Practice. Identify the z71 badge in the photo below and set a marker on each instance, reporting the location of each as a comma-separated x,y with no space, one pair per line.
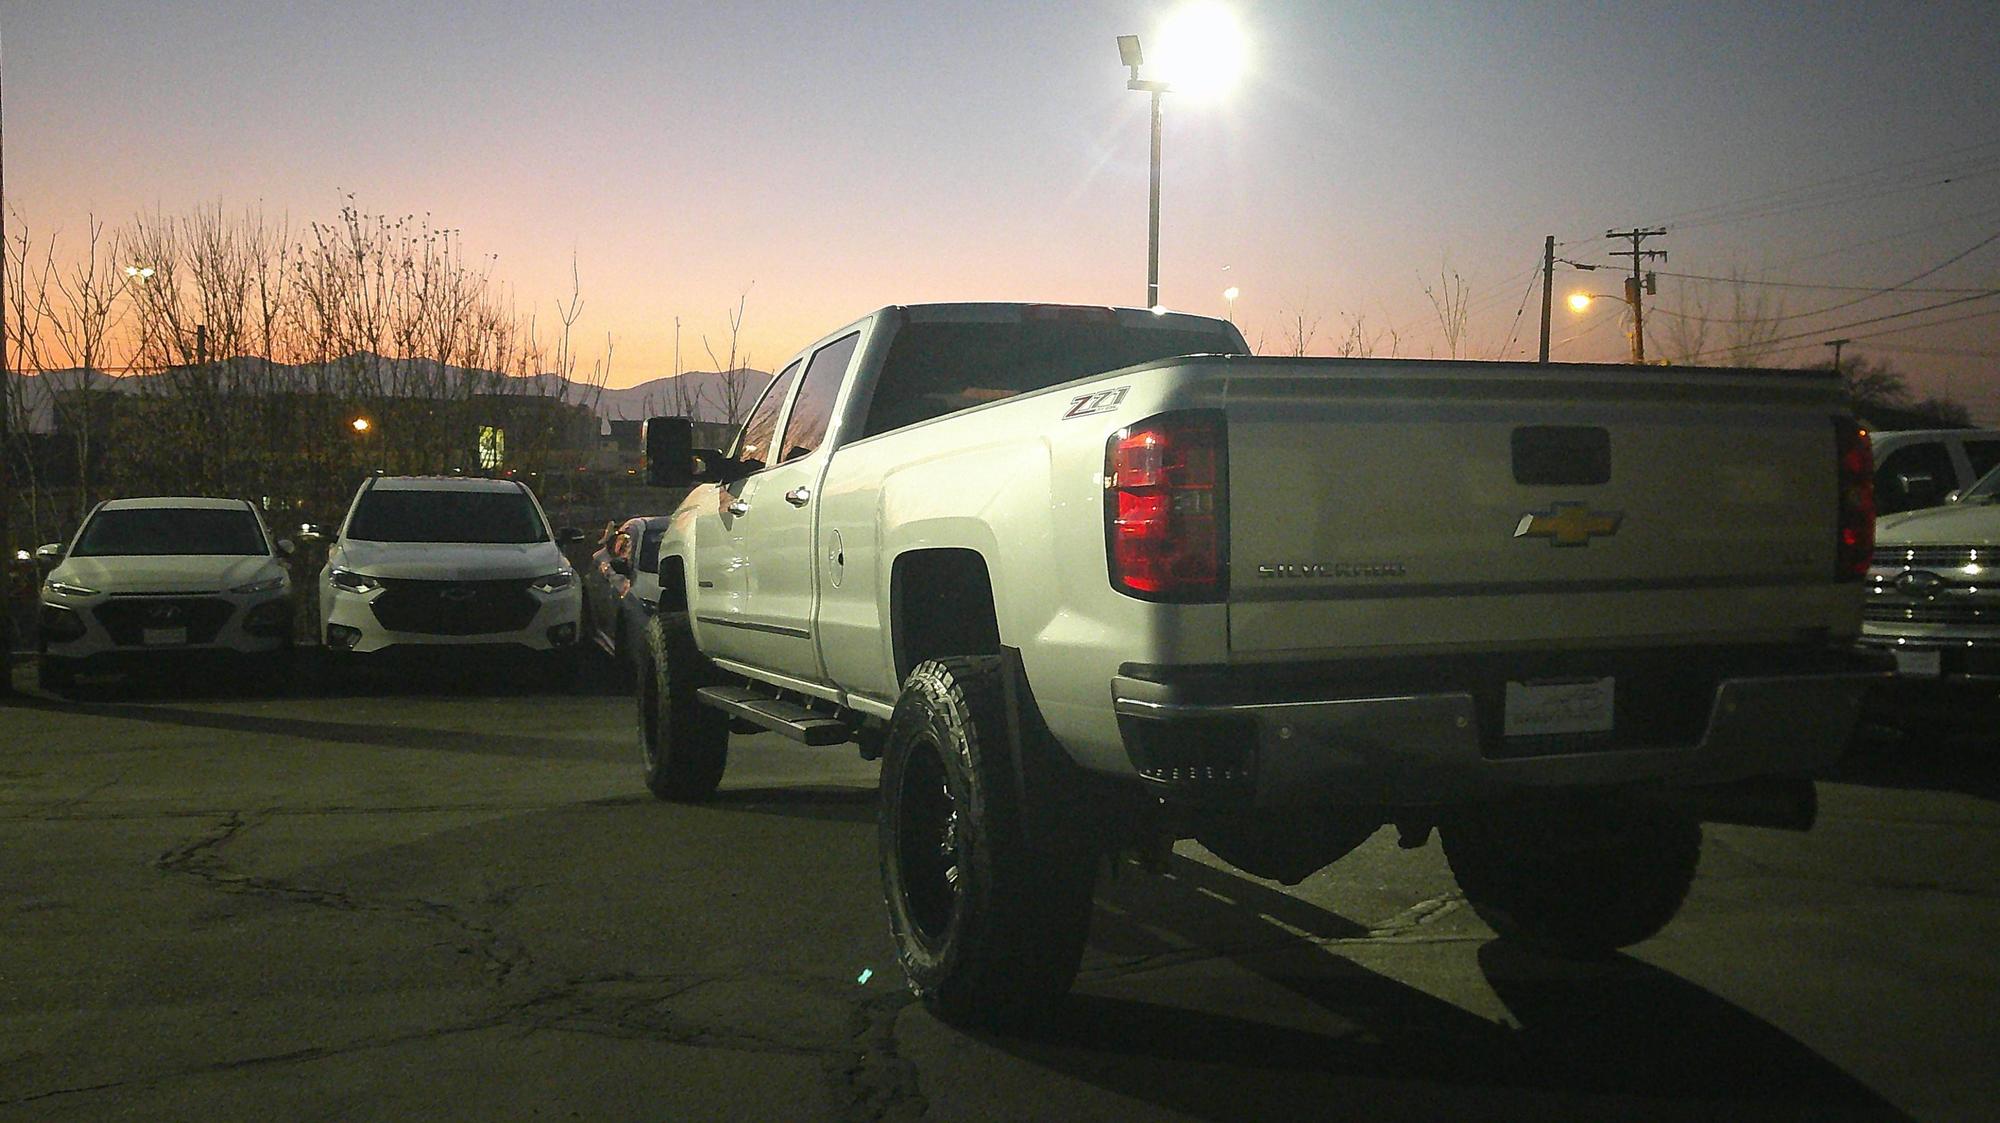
1104,401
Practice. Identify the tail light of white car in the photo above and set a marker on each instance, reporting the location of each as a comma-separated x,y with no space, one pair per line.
1166,507
1856,529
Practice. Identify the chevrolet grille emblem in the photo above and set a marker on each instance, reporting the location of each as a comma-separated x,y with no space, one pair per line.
1568,524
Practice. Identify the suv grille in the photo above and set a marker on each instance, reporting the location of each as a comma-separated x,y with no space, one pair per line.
454,608
127,618
1931,614
1933,557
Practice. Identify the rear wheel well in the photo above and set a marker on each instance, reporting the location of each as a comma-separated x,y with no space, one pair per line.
941,604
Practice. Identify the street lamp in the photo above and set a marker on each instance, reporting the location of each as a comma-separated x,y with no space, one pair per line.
361,425
1201,53
1230,294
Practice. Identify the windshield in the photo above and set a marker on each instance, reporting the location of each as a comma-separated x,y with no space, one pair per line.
447,516
155,531
937,368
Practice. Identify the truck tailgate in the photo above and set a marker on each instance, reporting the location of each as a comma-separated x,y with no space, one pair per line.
1385,507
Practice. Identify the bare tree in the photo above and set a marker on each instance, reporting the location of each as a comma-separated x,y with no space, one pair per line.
1739,329
1448,301
735,388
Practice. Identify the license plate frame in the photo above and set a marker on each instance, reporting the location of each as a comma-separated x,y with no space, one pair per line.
1919,662
1553,707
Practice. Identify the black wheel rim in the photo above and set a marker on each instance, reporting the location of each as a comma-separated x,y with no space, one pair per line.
927,843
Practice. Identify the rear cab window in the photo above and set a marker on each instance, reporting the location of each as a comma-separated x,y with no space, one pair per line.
933,369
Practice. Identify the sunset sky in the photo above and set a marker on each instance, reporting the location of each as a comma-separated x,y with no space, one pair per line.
826,159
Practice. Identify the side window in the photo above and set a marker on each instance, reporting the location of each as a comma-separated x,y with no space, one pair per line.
1984,455
812,413
754,450
1913,476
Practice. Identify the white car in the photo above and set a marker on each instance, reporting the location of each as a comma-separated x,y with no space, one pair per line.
434,561
1932,596
148,581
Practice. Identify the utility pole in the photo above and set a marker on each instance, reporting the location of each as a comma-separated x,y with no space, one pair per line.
1548,280
1837,344
1633,283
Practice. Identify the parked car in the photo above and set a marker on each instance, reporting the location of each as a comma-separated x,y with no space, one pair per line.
1921,467
153,582
1934,588
621,588
449,561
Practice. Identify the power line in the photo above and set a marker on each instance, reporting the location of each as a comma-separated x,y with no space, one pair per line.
1828,288
1861,323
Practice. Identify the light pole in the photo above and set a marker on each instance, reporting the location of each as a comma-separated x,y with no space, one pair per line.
1130,55
1201,53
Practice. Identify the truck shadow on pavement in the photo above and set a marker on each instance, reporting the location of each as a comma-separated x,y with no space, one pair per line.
1608,1039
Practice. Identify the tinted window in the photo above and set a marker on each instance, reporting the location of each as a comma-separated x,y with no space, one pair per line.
151,531
1984,455
649,550
813,411
935,369
446,516
1917,475
754,449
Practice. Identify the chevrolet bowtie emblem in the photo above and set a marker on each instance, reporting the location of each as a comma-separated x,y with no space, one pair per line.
1568,524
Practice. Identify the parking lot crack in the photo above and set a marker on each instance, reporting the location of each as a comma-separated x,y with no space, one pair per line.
872,1080
502,958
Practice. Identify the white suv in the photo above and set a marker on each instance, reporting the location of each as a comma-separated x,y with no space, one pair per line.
158,580
423,561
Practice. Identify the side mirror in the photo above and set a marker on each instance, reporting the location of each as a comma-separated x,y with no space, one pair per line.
622,566
569,536
669,451
286,547
50,553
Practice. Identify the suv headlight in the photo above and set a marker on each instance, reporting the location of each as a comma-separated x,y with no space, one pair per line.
353,582
554,582
264,586
65,589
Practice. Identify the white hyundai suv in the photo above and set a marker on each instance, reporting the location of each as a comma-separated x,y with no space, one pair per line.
425,561
162,581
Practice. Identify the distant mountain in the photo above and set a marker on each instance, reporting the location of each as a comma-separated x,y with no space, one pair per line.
29,396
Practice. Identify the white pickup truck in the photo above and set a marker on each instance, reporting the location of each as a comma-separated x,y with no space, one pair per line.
1092,580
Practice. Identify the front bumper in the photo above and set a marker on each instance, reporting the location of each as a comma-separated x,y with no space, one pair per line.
137,628
1206,738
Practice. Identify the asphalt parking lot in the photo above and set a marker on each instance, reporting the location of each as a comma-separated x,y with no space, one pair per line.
437,899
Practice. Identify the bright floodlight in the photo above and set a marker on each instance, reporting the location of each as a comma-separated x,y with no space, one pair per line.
1578,301
362,425
1200,50
1231,293
1128,51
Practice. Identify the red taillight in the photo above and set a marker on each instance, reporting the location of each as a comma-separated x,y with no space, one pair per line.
1856,542
1166,509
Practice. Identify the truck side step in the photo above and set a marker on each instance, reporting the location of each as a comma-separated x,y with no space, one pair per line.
789,719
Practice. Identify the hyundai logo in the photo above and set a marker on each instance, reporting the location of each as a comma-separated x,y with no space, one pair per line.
162,613
458,594
1919,584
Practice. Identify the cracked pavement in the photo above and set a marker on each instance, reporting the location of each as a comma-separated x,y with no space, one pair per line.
462,905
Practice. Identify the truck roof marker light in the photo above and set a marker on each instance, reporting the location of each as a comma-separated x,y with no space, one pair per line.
1166,507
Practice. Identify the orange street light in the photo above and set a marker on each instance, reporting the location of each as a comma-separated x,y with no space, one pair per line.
362,424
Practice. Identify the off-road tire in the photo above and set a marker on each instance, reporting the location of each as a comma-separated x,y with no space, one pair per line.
989,922
685,745
1580,878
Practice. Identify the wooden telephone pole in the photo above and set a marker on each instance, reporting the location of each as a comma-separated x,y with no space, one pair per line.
1634,282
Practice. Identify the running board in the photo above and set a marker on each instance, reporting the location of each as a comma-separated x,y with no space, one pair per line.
789,719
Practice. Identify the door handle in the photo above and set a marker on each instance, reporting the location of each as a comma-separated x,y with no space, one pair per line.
739,508
799,496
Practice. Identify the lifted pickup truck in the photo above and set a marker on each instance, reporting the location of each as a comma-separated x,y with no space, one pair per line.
1091,580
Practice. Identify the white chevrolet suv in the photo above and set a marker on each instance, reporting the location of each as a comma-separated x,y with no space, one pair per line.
424,561
159,582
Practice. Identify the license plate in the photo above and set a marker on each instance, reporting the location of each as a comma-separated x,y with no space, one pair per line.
163,637
1538,709
1919,662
